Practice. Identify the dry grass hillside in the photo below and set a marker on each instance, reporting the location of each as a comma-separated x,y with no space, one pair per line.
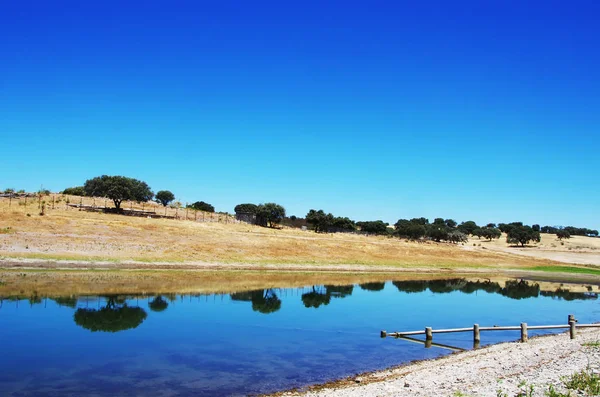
577,249
65,233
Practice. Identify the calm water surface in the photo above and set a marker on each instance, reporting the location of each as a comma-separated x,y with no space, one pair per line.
252,342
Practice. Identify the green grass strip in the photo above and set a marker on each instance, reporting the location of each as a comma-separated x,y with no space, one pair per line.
568,269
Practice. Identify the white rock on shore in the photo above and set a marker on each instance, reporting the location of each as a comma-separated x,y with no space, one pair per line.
503,369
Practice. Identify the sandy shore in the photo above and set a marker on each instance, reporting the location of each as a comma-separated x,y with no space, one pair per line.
504,369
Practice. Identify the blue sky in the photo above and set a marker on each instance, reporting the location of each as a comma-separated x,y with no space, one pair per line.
483,110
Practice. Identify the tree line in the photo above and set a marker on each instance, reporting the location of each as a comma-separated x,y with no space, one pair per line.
120,188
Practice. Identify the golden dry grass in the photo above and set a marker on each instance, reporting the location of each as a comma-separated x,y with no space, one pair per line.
70,234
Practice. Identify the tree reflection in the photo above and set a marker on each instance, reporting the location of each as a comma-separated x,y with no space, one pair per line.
339,291
66,301
316,298
372,286
520,289
567,295
411,286
158,304
114,317
263,301
513,289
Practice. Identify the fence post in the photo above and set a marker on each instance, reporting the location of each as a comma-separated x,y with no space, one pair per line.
571,318
572,329
52,202
524,332
428,333
476,337
383,334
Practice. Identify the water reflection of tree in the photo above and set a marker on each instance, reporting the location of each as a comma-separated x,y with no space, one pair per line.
316,298
411,286
520,289
513,289
263,301
66,301
339,291
372,286
567,295
158,304
114,317
446,286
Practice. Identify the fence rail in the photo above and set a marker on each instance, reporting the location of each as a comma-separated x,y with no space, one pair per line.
476,329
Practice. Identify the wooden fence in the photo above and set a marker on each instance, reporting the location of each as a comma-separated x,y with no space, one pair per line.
476,330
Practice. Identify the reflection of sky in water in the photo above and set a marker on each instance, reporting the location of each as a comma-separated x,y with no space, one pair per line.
216,346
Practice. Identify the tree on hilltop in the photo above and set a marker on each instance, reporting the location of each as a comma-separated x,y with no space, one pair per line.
164,197
202,206
320,221
269,213
246,208
118,188
522,235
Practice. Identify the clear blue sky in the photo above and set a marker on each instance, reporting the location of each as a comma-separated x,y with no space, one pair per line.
483,110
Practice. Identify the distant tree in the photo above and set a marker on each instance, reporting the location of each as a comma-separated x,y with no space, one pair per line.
247,208
44,192
437,232
451,223
420,221
456,237
492,225
477,232
536,227
549,229
202,206
9,191
270,213
118,188
319,220
439,222
506,227
373,227
164,197
467,227
522,235
344,224
410,229
490,233
74,191
562,234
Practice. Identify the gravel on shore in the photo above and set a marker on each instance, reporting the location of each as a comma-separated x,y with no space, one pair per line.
506,369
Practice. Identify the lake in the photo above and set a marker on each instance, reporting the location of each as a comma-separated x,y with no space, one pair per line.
254,342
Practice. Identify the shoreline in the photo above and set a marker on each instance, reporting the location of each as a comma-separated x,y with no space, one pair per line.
508,368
